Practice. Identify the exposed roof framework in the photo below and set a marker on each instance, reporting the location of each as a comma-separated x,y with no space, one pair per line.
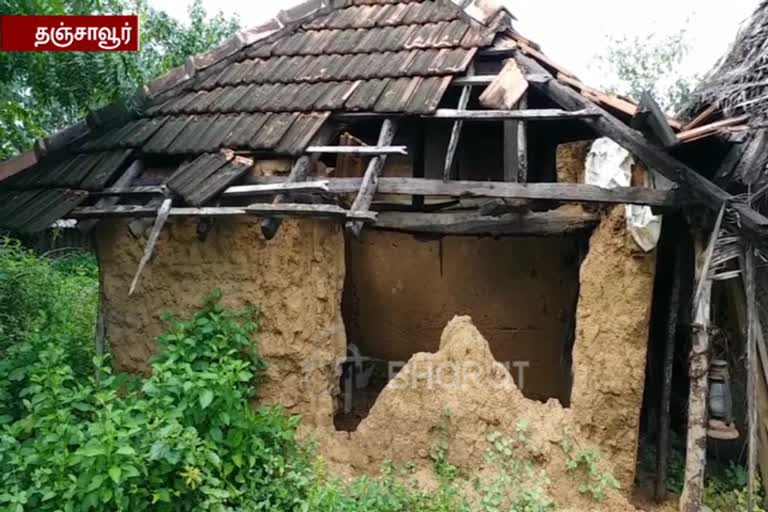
289,87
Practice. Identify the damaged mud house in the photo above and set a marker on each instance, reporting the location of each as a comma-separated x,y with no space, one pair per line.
366,170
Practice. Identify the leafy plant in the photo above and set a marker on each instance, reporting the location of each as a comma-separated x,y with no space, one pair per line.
40,296
189,439
518,485
650,62
598,481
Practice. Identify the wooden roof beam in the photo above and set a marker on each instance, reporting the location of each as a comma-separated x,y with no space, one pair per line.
547,114
558,192
656,158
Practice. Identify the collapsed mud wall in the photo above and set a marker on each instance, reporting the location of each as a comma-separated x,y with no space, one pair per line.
609,356
296,280
521,292
460,396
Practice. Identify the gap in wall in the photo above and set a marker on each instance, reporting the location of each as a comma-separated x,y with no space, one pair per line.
400,292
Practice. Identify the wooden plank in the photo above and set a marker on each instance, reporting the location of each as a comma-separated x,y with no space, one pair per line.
709,129
306,187
510,150
544,114
122,184
559,192
162,217
453,142
309,210
703,116
652,121
710,251
753,320
670,338
673,169
696,445
359,150
551,223
280,209
507,89
370,181
522,145
472,80
299,172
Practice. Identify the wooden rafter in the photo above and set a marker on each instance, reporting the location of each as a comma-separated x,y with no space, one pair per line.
299,172
453,143
122,184
656,158
544,114
370,180
558,192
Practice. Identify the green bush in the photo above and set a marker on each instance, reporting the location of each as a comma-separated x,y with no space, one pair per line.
187,440
41,300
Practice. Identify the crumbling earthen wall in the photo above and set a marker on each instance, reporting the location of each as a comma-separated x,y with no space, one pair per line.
609,356
521,292
296,280
459,396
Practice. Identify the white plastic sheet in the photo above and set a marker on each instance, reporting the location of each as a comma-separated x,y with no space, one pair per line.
609,166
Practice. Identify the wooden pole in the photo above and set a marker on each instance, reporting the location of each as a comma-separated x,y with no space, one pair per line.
752,328
162,217
522,145
696,444
370,182
299,172
453,143
666,391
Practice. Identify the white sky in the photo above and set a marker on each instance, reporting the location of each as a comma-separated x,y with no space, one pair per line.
572,32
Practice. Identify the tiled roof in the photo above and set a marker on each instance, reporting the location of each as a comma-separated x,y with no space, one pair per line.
274,94
383,57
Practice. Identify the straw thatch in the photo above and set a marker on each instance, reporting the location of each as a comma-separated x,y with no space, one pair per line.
739,83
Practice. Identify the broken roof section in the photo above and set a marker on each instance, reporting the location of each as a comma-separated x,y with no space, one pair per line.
272,88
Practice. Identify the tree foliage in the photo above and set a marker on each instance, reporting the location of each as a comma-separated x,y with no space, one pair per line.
649,62
41,92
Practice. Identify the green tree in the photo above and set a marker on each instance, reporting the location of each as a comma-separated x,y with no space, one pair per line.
652,62
41,92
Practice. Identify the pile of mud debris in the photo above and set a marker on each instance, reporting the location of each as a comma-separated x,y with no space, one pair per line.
462,399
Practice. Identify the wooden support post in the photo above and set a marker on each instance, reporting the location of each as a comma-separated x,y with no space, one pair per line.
522,145
509,144
101,326
708,256
122,183
516,148
162,217
370,182
662,451
753,320
696,444
453,143
299,172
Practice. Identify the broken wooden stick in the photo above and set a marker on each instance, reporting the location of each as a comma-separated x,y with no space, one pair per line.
299,172
453,143
370,182
162,217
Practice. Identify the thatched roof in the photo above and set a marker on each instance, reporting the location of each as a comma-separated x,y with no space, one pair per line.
739,83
